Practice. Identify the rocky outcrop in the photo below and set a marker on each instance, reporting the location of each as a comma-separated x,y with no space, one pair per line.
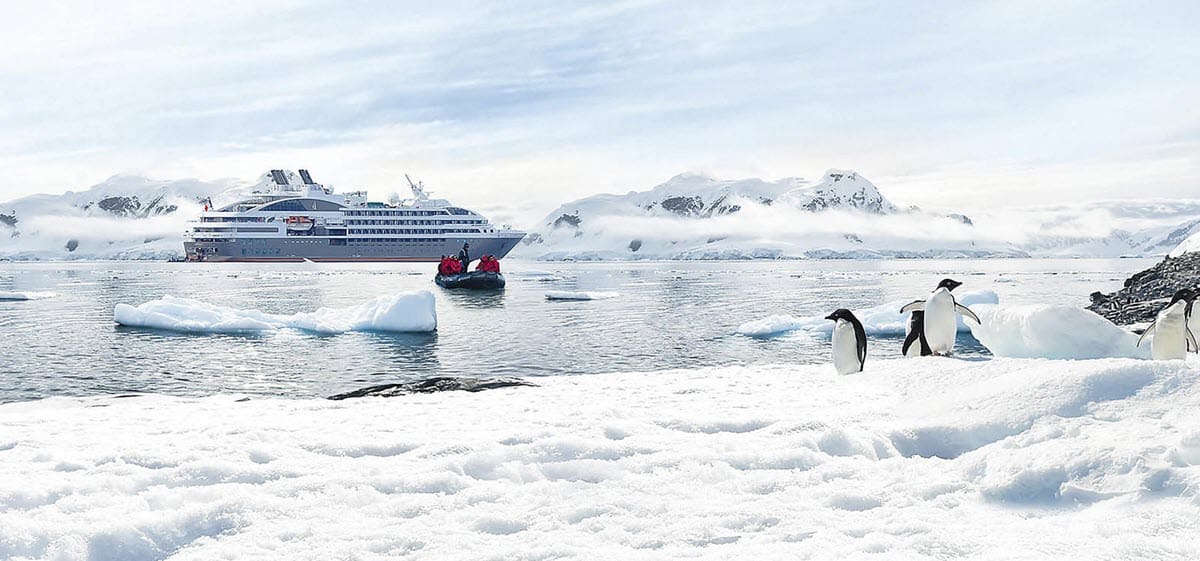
132,207
1145,293
433,385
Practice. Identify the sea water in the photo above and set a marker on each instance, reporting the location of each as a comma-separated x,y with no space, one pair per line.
658,315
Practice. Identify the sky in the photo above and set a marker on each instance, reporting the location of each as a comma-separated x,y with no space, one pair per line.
513,108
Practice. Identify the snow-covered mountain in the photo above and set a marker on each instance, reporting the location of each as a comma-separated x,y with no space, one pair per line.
124,217
843,215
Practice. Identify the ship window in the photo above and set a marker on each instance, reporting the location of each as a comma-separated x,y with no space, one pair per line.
300,205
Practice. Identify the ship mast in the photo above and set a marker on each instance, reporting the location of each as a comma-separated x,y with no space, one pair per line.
418,189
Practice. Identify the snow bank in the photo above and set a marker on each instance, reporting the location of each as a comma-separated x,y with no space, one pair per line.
413,311
11,295
884,319
913,459
566,295
1060,332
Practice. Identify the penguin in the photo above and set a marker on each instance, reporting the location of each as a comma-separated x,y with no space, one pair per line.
940,323
849,342
916,334
1172,336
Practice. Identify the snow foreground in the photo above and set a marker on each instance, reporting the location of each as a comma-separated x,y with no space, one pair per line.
567,295
412,311
913,459
884,319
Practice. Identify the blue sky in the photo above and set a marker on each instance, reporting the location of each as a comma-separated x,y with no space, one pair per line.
516,107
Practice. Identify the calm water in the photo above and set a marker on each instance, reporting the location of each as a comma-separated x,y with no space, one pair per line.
669,314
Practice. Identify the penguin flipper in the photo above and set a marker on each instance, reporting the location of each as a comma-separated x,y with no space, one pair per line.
1149,328
908,341
915,306
860,336
1191,340
967,312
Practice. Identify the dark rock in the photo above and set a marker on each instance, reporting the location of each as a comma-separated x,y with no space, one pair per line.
433,385
72,245
1146,292
635,245
684,206
133,208
9,220
572,220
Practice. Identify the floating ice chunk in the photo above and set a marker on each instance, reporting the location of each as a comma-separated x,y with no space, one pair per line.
1060,332
886,319
8,295
565,295
413,311
770,326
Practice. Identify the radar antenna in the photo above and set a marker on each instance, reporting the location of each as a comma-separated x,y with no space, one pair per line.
418,189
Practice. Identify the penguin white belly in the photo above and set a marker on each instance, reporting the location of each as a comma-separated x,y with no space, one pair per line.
914,350
1169,341
941,322
845,348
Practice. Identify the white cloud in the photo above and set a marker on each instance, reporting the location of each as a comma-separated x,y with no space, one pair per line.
522,105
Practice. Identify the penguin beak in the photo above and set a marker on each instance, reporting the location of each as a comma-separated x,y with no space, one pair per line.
955,284
831,317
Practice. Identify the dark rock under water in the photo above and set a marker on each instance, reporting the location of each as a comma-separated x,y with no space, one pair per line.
433,385
1146,293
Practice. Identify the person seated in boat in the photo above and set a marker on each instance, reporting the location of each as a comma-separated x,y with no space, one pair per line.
489,264
483,263
444,266
455,266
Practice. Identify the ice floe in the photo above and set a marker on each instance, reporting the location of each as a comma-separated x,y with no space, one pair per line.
884,319
912,459
413,311
16,295
770,326
1051,331
567,295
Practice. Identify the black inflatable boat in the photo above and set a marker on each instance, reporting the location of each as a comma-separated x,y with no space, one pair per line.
479,280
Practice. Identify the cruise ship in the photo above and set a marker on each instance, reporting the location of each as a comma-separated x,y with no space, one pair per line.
290,217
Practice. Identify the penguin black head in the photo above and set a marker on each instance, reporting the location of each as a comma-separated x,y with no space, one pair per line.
949,284
841,313
1185,294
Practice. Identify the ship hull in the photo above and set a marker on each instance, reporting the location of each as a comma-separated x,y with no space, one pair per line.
318,249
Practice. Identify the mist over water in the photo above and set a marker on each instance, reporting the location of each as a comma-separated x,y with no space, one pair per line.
667,315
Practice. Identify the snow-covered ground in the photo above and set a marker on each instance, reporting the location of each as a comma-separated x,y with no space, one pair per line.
411,312
914,459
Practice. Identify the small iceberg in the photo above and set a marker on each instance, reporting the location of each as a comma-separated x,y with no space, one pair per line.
884,319
407,312
566,295
21,296
770,326
1056,332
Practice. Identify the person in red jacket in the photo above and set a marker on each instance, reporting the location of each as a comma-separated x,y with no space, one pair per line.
455,266
444,266
493,264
